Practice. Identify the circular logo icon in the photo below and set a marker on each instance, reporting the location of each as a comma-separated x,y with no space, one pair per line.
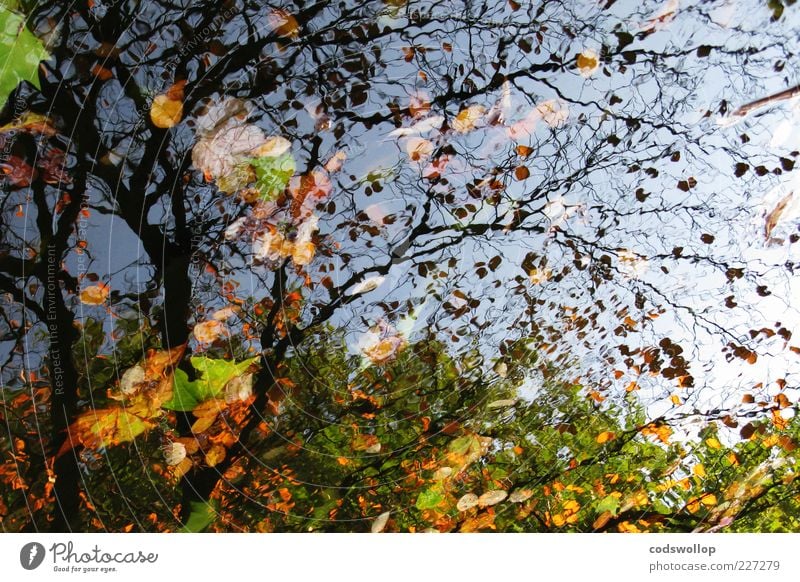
31,555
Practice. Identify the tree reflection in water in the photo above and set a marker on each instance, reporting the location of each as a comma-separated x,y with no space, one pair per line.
401,266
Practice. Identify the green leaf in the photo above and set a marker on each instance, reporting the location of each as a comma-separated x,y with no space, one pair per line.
201,515
214,374
20,52
430,498
185,394
273,174
609,504
212,377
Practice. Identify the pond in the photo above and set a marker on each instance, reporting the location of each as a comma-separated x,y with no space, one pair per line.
400,266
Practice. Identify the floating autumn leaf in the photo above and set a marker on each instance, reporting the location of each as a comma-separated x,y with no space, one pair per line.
662,17
380,522
501,369
442,473
273,173
520,495
419,104
604,437
706,499
336,162
539,276
239,388
699,470
104,427
17,172
30,122
139,412
468,118
568,515
587,63
225,313
367,285
632,265
481,521
384,350
132,380
424,126
213,376
94,294
275,243
436,167
167,108
208,332
283,23
218,154
366,442
20,51
215,455
235,153
466,502
661,432
553,112
174,453
492,498
307,191
273,147
419,149
775,215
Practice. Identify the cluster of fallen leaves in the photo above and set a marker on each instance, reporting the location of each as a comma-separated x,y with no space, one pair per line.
143,390
236,154
239,157
217,399
50,159
425,138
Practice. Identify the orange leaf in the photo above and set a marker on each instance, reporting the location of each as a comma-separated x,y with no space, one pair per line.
604,437
165,112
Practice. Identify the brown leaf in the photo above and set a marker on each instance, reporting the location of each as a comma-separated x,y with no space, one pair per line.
775,215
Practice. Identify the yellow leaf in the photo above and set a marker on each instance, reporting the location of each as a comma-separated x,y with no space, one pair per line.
215,455
166,112
628,527
95,294
210,407
467,118
182,468
709,500
481,521
713,443
699,470
203,424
